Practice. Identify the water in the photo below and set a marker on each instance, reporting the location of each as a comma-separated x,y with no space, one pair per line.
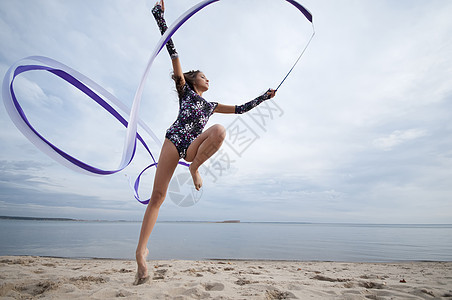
199,240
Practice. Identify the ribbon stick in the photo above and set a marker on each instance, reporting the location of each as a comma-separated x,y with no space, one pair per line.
102,97
308,16
306,47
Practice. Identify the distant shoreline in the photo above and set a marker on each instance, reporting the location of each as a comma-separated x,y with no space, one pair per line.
79,220
222,222
56,219
229,221
36,218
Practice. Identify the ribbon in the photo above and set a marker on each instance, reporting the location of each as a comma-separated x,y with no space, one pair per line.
100,95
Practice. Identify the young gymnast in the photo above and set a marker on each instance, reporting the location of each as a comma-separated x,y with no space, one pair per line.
185,139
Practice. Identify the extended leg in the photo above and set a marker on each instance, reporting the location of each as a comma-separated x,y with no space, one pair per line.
169,157
202,148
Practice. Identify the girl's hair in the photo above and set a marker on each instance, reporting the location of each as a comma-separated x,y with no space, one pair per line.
190,78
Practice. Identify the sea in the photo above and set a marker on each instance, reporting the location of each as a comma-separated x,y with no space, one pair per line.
243,240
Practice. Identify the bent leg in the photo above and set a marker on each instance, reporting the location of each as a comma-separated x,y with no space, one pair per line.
168,160
202,148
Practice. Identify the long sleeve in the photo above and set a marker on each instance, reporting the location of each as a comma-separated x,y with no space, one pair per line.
240,109
158,15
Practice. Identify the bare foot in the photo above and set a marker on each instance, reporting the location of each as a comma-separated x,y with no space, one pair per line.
197,180
142,272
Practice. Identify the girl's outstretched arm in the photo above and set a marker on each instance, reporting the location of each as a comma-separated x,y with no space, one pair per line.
178,73
158,11
240,109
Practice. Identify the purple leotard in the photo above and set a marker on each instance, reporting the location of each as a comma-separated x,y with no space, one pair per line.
194,112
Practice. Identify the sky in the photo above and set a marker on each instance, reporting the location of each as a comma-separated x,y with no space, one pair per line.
360,131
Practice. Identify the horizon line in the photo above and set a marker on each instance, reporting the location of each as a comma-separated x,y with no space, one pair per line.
232,221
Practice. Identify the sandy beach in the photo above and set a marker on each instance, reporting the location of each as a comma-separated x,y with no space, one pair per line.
26,277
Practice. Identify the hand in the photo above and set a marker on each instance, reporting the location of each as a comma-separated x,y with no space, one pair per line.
271,93
161,3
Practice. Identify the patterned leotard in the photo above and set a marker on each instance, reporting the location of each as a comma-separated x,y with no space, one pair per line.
194,112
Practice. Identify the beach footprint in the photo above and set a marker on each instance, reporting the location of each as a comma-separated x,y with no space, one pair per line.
274,294
215,286
194,292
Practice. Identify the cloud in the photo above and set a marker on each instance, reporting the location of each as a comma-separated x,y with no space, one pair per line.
365,119
21,165
398,137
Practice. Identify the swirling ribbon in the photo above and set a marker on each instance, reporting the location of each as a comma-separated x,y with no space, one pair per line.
100,95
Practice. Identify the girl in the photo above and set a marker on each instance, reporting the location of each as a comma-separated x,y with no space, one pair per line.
185,138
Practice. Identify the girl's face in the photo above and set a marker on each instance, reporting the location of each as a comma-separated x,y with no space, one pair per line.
201,82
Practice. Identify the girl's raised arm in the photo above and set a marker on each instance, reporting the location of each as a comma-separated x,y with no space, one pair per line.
158,11
178,73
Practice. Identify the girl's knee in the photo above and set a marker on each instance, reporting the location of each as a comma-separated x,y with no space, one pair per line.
219,131
157,198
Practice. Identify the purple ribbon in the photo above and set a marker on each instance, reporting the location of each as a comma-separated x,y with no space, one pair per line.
95,92
90,93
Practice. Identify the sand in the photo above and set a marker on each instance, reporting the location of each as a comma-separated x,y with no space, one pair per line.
26,277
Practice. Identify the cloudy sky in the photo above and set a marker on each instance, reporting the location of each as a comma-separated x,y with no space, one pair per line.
359,132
